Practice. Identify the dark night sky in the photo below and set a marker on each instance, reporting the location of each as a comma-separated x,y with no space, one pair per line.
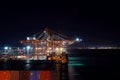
94,23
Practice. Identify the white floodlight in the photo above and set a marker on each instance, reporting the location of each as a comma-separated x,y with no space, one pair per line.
28,38
5,47
78,40
28,47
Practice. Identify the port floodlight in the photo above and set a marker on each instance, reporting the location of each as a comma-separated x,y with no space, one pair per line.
5,47
28,47
78,40
28,38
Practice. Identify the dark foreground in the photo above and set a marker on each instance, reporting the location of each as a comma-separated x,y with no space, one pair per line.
27,65
83,65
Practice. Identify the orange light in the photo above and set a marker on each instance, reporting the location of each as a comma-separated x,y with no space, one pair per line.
44,75
5,75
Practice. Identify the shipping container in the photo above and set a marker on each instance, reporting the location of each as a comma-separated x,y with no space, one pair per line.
34,75
24,75
44,75
14,75
4,75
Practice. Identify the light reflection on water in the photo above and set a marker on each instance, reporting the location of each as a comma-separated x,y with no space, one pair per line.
85,65
97,65
73,74
73,63
75,58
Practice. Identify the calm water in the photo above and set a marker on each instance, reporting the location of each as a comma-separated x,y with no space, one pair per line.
83,65
94,64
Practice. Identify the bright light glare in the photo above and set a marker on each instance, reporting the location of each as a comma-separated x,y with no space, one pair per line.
28,38
6,48
78,40
28,47
57,48
61,49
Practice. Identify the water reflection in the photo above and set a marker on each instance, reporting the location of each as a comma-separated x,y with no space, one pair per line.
74,63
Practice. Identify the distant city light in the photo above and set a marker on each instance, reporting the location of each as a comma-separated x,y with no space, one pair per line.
28,38
6,48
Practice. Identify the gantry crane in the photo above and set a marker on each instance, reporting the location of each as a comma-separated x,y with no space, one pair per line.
49,44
